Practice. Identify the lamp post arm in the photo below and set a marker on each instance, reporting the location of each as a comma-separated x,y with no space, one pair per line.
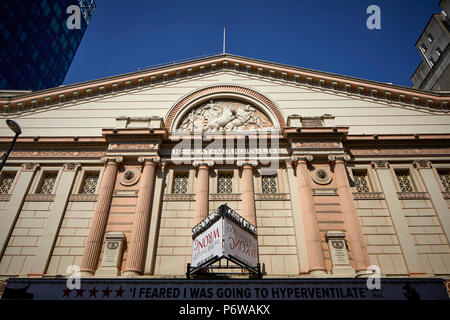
9,151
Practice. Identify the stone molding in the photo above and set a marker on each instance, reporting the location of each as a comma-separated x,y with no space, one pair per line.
39,197
179,197
413,195
81,197
368,195
293,76
272,196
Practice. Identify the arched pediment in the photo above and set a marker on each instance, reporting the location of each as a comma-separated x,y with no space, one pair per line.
224,108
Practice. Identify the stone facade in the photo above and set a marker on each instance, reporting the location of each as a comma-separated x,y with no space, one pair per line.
356,164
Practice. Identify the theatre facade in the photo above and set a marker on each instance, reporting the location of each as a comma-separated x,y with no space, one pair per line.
336,173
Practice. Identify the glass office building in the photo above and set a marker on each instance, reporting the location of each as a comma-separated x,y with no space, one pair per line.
37,47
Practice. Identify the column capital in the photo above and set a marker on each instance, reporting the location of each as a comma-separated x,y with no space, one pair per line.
107,159
339,157
30,166
70,166
422,164
149,159
380,164
203,164
297,158
242,163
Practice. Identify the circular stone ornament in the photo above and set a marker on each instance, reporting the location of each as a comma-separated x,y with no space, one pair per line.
130,177
321,176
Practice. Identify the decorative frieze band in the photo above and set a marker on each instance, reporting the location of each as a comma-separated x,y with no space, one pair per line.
413,195
83,197
368,195
226,197
40,197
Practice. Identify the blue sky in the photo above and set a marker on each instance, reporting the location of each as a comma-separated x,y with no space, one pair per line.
327,35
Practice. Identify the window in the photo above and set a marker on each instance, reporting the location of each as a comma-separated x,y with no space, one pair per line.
225,183
90,183
404,180
269,184
430,37
444,175
180,183
432,61
47,183
361,180
423,47
6,182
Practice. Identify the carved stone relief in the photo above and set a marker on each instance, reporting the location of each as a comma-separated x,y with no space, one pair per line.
224,115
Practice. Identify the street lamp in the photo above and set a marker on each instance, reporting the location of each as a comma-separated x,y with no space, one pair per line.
14,126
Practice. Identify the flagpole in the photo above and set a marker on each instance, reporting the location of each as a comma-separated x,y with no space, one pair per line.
223,50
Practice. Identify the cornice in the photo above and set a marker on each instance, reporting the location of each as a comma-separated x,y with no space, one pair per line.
288,75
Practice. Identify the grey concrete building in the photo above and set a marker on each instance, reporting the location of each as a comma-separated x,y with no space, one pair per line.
433,73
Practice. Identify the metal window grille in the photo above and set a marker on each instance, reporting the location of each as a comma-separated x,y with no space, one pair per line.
269,184
444,175
90,183
361,181
404,180
6,183
180,183
48,184
225,183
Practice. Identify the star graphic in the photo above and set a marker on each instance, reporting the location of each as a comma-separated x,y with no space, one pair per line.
119,293
66,292
106,292
80,292
93,292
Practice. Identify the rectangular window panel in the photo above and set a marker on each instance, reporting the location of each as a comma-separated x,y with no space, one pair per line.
180,183
444,175
225,183
47,183
6,183
90,183
404,180
361,180
269,184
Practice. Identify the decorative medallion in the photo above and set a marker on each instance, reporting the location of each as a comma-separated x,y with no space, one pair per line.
337,244
112,245
224,115
321,176
130,177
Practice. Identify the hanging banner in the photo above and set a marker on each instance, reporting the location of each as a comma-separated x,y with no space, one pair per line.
208,244
245,290
224,233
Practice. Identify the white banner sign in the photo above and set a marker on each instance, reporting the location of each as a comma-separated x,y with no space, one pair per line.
208,244
240,244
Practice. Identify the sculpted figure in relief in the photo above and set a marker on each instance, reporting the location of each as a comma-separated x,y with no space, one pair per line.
216,117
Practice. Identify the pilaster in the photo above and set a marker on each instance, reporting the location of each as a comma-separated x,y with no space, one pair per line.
352,225
95,237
